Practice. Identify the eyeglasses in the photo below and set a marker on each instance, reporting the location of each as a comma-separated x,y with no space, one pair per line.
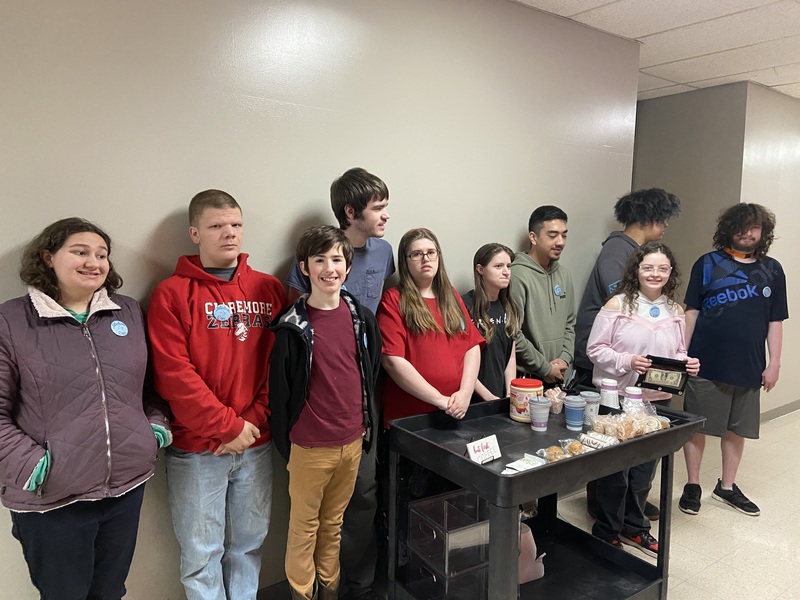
650,269
417,255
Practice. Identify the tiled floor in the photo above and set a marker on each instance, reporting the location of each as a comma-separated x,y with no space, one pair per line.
721,554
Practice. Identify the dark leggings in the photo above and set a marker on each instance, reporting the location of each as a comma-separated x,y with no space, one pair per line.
82,551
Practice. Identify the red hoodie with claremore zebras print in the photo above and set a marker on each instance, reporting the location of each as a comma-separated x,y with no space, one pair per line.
211,343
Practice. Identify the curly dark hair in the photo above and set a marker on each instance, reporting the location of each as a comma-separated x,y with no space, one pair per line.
35,272
629,285
741,217
647,206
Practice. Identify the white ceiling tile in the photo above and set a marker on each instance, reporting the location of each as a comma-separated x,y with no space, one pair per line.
770,77
689,44
769,22
740,60
667,91
648,82
565,8
636,18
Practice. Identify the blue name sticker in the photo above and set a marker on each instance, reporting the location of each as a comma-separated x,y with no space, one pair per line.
222,312
654,311
767,291
557,290
119,328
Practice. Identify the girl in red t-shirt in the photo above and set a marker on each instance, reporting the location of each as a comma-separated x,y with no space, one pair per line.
432,352
431,349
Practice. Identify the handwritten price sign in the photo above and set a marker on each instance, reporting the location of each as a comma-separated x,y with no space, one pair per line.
484,450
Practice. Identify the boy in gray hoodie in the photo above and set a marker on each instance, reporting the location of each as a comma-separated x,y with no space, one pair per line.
543,291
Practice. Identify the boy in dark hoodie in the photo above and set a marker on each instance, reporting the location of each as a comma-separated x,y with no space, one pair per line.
323,372
645,215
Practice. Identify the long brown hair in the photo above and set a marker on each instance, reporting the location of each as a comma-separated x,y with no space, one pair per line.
480,302
629,285
415,311
35,272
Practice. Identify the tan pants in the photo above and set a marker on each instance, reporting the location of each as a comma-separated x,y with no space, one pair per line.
321,482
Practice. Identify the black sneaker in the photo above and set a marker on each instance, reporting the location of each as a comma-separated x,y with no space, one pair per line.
736,499
651,511
690,499
642,541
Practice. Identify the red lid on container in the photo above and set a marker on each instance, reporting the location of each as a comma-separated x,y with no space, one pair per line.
525,382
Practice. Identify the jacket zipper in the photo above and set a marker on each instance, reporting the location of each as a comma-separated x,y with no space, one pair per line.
104,403
361,349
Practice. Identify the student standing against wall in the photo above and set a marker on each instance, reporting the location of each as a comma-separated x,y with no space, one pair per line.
645,215
735,303
211,345
360,203
77,438
542,289
323,374
496,316
642,318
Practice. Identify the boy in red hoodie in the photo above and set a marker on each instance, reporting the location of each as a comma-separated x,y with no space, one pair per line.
211,344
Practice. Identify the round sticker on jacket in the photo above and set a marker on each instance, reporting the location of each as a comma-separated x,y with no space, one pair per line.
222,312
119,328
557,290
654,311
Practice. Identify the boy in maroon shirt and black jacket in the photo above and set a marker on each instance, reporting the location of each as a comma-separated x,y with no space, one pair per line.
323,372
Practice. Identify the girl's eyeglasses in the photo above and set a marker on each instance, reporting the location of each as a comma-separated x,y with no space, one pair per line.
650,269
417,255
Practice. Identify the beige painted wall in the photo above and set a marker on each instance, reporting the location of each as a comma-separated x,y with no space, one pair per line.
771,176
716,147
691,145
473,111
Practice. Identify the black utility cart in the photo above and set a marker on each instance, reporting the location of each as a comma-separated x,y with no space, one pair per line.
577,566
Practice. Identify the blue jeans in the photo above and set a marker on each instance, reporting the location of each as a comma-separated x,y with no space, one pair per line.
220,511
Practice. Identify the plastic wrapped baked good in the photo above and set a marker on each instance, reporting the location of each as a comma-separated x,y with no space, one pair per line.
652,424
639,425
574,447
625,428
597,440
599,423
553,453
556,396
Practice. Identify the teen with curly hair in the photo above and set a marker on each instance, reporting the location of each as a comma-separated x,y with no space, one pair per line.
735,302
642,318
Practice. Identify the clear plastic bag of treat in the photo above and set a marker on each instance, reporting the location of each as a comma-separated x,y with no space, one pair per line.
651,424
637,406
556,396
600,422
593,439
553,453
625,427
572,446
